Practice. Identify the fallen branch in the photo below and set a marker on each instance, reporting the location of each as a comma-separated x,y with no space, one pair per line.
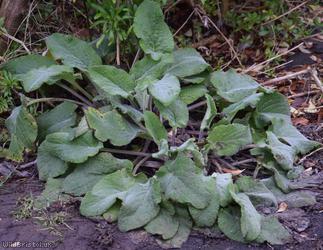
282,78
16,40
304,94
256,66
310,154
317,79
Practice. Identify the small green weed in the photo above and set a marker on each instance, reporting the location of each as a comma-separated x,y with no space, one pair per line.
24,208
52,221
8,84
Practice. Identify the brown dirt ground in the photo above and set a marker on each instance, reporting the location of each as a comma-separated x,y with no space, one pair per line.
305,224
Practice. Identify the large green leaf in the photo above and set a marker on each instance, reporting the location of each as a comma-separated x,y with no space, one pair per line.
59,118
48,165
112,214
206,217
111,126
176,113
294,199
72,51
87,174
182,182
282,153
191,93
22,127
187,62
184,229
273,232
165,90
250,218
231,110
228,139
233,86
148,69
164,224
52,193
140,205
132,112
190,146
155,127
229,223
257,191
111,80
223,184
74,150
35,78
210,113
106,192
24,64
271,106
287,132
155,36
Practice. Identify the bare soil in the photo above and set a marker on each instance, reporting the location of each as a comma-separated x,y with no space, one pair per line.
77,232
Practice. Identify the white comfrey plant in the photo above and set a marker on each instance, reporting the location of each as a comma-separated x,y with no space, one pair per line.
79,141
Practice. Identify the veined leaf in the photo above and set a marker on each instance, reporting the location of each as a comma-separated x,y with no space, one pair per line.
231,110
271,106
223,184
233,86
229,223
257,191
250,218
60,148
210,113
287,132
22,127
140,205
132,112
59,118
51,193
48,165
228,139
181,182
150,27
190,147
35,78
163,148
147,68
282,153
155,127
24,64
87,174
112,214
187,62
273,232
191,93
111,80
164,224
184,229
176,113
111,126
106,192
165,90
72,51
206,217
294,199
74,150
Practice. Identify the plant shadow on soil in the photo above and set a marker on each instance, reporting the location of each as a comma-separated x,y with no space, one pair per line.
77,232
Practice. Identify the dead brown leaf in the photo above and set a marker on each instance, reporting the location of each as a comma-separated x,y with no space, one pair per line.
282,207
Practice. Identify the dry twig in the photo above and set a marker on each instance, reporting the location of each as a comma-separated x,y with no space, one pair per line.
317,79
289,76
